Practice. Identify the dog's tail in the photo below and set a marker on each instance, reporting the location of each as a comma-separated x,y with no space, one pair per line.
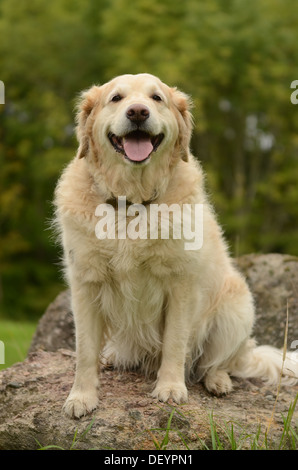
266,362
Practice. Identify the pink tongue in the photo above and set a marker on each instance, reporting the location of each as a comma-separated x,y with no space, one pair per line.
137,147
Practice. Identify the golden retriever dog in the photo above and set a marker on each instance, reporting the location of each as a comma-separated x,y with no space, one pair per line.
146,301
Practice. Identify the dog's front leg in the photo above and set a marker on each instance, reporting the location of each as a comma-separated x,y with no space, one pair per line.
171,374
83,397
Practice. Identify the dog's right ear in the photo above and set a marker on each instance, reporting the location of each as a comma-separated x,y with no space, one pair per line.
86,104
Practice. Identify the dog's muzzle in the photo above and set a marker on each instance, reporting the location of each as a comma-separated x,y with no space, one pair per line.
138,144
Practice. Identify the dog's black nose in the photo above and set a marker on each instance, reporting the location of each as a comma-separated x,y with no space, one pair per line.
137,113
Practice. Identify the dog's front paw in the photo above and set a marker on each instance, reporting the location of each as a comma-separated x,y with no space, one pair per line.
166,390
79,404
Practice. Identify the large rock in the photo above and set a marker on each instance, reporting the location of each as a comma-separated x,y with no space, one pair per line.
32,393
273,279
55,329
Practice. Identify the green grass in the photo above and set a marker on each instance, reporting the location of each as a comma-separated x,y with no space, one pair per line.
229,435
16,337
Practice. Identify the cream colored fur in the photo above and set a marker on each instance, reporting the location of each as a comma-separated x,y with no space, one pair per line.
150,303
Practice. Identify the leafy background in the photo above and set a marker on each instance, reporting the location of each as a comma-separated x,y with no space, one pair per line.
236,59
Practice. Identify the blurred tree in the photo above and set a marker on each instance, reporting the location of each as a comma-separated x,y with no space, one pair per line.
44,65
236,59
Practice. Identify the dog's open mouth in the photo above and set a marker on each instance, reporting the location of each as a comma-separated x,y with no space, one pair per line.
137,146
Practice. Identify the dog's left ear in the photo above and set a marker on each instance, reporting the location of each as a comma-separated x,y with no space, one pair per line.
86,104
182,104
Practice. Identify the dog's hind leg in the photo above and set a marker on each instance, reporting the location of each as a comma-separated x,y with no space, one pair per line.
230,329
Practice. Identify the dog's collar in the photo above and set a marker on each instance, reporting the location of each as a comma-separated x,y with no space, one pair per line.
113,201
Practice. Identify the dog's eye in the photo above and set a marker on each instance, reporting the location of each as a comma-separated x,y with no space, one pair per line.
116,98
156,98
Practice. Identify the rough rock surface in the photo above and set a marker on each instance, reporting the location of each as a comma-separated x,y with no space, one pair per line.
273,279
32,393
55,329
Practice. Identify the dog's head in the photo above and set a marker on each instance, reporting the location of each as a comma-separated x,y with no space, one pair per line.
134,118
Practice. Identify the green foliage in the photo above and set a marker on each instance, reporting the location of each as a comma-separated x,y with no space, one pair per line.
236,59
16,337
